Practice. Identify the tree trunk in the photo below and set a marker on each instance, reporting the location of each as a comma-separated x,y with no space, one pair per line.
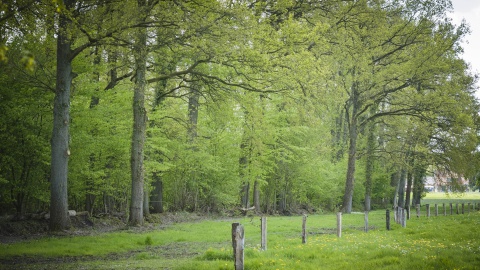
157,194
409,189
243,164
282,207
256,197
59,219
245,195
338,137
369,165
94,101
139,127
401,188
395,179
418,184
146,201
193,104
89,187
350,181
352,153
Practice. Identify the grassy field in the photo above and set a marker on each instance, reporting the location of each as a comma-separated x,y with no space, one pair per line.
441,197
438,242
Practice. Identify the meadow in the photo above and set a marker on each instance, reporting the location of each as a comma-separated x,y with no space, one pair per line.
438,242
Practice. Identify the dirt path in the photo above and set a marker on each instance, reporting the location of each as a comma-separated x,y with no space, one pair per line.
26,230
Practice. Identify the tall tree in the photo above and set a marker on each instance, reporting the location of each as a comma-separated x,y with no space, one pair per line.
73,22
375,40
59,218
139,116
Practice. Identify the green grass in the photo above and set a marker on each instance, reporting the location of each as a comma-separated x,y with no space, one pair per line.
442,197
443,242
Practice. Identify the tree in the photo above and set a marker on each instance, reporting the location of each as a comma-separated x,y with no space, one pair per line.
25,125
376,65
267,95
66,53
59,219
139,117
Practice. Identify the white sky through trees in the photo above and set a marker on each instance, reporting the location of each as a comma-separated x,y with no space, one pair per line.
470,11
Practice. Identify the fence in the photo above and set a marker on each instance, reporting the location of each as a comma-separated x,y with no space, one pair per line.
400,215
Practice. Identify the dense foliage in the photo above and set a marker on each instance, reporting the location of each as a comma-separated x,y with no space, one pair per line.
215,105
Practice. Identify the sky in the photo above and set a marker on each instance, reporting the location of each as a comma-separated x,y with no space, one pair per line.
469,10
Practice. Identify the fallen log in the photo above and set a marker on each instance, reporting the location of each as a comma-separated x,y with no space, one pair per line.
245,210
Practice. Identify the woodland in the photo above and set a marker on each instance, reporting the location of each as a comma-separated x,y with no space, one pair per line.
210,106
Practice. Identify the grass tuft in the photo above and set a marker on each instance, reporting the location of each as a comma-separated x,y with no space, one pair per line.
215,255
148,241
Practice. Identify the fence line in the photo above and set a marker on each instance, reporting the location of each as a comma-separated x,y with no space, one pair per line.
400,216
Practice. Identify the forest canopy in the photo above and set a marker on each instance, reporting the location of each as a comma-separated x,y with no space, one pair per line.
139,106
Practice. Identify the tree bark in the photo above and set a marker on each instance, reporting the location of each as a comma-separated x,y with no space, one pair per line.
90,181
352,152
401,188
146,200
418,184
245,195
256,197
395,179
157,194
243,165
339,138
409,181
59,219
369,165
139,127
409,189
193,105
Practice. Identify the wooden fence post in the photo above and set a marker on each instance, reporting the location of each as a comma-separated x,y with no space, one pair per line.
234,244
304,229
366,221
444,210
263,221
404,218
387,218
418,210
436,210
463,208
428,209
451,209
339,224
238,243
456,207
